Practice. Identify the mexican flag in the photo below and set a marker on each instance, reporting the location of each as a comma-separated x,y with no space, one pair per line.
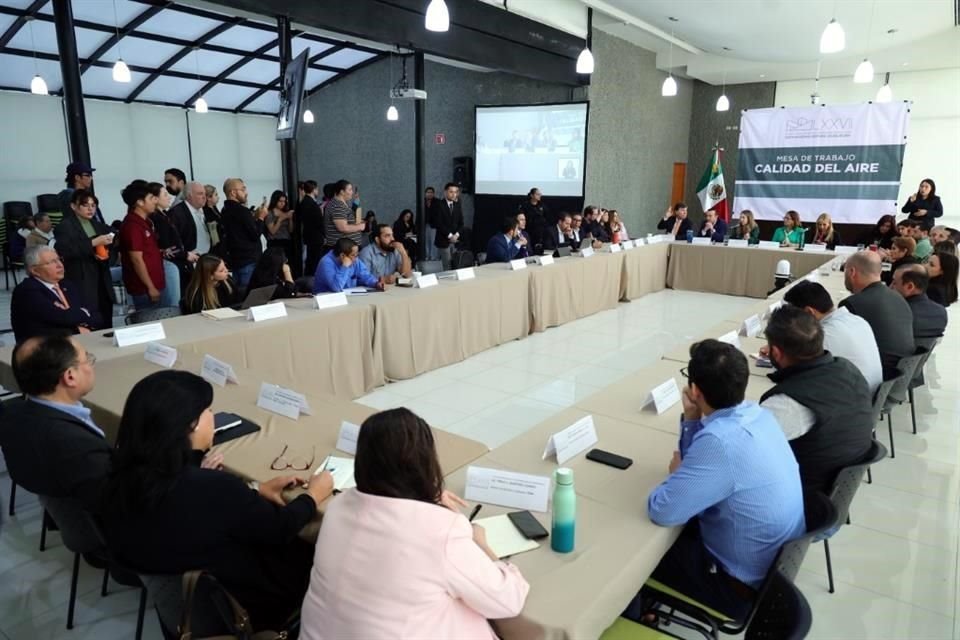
711,190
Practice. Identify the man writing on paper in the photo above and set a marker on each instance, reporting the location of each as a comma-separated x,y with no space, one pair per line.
386,258
507,245
734,483
341,269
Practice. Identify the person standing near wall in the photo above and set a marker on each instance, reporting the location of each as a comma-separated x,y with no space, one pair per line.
536,213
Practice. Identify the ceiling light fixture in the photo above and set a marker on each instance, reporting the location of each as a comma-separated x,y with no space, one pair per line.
200,106
438,17
815,96
392,114
585,59
121,72
864,72
723,103
833,39
38,85
885,94
669,88
395,89
307,116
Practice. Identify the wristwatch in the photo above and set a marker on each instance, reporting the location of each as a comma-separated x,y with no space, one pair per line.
253,484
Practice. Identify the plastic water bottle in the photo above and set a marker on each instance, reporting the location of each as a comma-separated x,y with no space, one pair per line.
689,236
564,526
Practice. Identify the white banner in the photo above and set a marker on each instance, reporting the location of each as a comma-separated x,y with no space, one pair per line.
843,160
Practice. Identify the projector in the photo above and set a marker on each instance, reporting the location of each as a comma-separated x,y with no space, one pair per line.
408,94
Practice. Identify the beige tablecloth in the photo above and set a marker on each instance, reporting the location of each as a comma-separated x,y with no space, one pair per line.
573,288
735,271
644,271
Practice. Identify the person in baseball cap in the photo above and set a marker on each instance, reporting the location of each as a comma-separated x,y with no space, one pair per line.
79,176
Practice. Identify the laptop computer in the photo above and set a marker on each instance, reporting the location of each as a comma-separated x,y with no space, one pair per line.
259,296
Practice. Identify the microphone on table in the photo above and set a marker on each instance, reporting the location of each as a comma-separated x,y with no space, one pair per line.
781,276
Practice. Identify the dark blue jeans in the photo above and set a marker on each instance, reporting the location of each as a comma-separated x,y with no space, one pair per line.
242,274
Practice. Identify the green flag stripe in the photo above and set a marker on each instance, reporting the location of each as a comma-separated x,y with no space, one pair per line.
708,175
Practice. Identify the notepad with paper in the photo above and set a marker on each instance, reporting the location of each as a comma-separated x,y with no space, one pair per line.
224,313
342,471
503,538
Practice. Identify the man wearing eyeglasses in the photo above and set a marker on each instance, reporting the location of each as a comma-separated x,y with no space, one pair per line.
79,176
45,304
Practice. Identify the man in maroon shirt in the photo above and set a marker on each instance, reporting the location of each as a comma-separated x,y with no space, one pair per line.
140,255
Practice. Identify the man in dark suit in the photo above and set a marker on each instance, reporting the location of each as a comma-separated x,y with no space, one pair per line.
449,223
49,439
887,313
244,229
505,246
560,235
45,303
675,222
189,220
311,215
713,227
929,318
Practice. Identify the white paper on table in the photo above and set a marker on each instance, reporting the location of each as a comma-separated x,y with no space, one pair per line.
731,337
815,248
138,334
700,240
845,249
278,400
342,471
545,261
160,354
586,252
519,263
768,244
663,396
572,441
429,280
751,326
268,311
615,248
223,313
503,537
508,489
737,242
330,300
467,273
627,245
653,240
347,440
217,371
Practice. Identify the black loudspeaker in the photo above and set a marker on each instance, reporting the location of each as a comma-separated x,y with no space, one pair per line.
463,173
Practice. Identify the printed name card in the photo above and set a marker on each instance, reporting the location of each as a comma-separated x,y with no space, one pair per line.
845,249
730,338
507,489
815,248
653,239
267,312
639,242
466,273
586,252
284,402
217,372
519,263
330,300
627,245
160,354
614,247
663,396
572,441
544,261
429,280
769,244
347,440
138,334
699,240
738,242
751,326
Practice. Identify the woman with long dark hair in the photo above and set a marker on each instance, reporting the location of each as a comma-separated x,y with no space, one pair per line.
279,222
273,270
924,206
401,544
882,233
210,286
165,514
943,269
405,231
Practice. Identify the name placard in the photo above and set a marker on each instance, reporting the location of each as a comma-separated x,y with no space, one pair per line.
586,252
544,261
627,245
138,334
284,402
653,239
737,242
467,273
730,337
330,300
347,440
663,396
160,354
507,489
571,441
769,244
845,249
699,240
217,372
614,247
815,248
751,326
429,280
519,263
269,311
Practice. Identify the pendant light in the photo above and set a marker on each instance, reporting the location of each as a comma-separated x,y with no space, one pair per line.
38,85
121,72
200,106
392,114
438,17
833,39
669,88
723,103
864,72
307,116
885,94
585,59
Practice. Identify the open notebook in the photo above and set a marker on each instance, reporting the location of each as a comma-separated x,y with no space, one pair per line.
503,538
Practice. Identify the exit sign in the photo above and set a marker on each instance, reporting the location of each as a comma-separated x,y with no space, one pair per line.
440,138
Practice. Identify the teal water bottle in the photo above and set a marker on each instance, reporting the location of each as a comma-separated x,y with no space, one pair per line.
564,511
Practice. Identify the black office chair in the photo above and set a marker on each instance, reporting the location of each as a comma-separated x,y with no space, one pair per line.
900,391
48,203
81,535
879,403
844,489
784,614
152,315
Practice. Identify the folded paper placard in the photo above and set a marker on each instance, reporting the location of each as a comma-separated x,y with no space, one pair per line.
615,248
731,337
347,440
814,248
217,372
544,261
751,326
429,280
138,334
586,252
769,244
507,489
699,240
269,311
519,263
572,441
663,396
466,273
737,242
330,300
160,354
284,402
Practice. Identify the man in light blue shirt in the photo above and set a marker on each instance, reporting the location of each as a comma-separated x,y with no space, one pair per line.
385,258
734,483
341,269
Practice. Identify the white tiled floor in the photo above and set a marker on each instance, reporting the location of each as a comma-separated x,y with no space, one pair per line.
895,566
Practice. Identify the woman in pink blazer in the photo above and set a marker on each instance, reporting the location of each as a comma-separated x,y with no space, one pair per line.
396,558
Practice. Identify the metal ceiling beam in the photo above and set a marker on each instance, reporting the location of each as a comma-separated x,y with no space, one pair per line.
180,55
275,85
222,77
120,33
21,20
343,74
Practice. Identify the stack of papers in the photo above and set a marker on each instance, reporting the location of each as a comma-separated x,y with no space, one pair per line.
342,471
356,291
503,538
224,313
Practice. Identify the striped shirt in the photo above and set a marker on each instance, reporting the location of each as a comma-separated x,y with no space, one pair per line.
740,479
339,210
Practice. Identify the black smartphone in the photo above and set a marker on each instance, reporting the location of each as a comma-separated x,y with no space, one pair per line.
529,526
108,334
607,458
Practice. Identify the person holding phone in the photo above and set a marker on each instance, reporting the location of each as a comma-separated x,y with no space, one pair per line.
274,270
243,229
399,545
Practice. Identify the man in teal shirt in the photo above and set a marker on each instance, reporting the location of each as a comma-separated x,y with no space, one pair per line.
922,236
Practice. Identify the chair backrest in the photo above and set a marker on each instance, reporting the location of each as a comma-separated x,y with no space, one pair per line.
928,344
783,614
56,217
16,210
48,202
78,529
462,260
209,607
882,393
908,367
152,315
821,515
430,266
850,478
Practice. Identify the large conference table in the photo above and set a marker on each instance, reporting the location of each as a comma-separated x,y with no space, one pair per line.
573,596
